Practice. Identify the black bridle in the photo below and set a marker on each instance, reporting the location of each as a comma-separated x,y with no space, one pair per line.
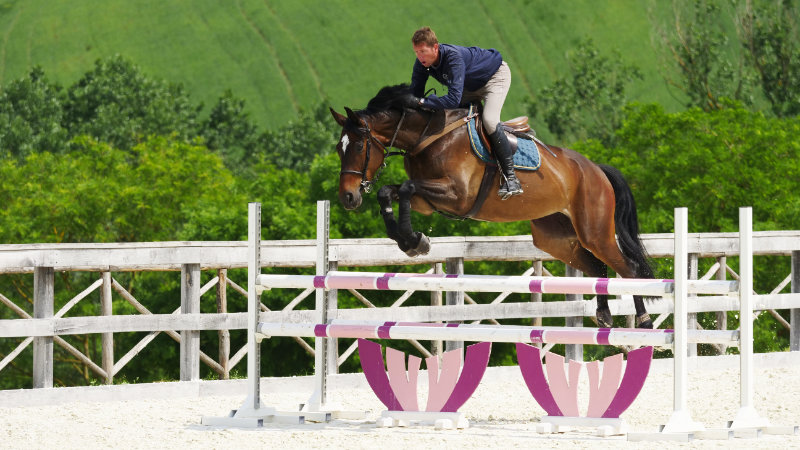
366,185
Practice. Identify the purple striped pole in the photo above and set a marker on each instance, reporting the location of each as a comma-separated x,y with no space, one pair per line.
491,283
489,333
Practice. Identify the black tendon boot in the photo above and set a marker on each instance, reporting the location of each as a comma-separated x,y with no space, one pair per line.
505,158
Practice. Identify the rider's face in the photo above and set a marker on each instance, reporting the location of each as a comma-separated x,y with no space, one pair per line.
426,54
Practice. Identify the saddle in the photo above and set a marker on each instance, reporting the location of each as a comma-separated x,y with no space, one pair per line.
520,138
517,125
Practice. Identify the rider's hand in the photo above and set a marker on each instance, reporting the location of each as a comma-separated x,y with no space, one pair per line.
412,101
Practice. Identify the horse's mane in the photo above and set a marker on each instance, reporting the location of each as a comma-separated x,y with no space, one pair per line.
388,98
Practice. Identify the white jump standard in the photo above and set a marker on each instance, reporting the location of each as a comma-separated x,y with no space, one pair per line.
392,386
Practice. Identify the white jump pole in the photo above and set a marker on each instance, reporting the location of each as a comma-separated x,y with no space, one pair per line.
746,417
338,328
319,396
492,283
252,404
252,413
681,419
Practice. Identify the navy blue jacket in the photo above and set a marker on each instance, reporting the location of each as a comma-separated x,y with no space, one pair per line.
460,69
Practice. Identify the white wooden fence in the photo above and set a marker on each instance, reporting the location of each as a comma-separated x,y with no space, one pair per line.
44,326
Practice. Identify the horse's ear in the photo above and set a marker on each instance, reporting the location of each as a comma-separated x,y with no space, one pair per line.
352,116
340,119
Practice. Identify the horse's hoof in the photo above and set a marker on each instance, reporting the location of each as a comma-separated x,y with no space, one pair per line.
412,252
604,319
424,244
644,321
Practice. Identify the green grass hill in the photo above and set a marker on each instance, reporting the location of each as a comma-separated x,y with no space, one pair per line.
285,55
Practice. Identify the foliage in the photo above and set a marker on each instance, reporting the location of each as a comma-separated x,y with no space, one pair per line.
230,131
118,104
769,35
587,103
702,62
713,162
295,144
30,116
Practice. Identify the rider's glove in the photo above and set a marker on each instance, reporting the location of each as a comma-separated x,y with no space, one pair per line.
412,101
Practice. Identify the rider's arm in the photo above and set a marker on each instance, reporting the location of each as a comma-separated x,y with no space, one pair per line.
453,67
419,77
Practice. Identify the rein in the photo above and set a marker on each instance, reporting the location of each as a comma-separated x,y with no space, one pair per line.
447,130
366,185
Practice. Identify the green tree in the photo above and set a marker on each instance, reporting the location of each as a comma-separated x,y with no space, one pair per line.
295,144
769,35
118,104
229,131
588,102
30,116
703,63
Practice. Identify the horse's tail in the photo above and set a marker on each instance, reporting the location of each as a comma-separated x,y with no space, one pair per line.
626,221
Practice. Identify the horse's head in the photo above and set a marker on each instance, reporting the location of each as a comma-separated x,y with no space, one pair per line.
361,154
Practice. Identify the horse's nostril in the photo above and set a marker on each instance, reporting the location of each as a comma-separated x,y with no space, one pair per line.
349,197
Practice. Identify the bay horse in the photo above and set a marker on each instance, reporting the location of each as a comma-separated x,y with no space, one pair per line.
575,207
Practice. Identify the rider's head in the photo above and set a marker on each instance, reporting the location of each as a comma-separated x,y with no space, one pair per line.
426,46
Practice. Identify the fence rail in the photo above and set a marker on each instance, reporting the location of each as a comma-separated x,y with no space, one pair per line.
44,326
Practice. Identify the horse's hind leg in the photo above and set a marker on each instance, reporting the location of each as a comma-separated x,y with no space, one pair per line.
556,235
599,239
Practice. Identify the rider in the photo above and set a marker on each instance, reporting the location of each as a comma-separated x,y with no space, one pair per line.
470,74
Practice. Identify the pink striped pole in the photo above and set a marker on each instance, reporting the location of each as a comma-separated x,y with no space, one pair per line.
487,333
490,283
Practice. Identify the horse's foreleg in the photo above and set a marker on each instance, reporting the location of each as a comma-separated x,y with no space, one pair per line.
418,243
407,240
386,195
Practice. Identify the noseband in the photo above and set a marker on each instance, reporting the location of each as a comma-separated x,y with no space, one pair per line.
366,184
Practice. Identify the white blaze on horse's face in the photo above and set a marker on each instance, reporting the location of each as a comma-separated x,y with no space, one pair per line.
345,143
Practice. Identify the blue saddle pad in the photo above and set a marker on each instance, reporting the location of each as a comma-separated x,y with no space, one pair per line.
526,157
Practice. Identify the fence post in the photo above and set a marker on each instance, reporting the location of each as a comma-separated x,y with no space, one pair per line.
692,318
454,266
43,299
722,316
573,351
224,335
107,339
436,300
794,314
190,339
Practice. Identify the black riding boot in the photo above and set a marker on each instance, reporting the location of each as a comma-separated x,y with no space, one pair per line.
505,158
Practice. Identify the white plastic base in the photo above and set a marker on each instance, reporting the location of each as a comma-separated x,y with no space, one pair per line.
747,417
254,419
331,411
561,424
681,422
440,420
